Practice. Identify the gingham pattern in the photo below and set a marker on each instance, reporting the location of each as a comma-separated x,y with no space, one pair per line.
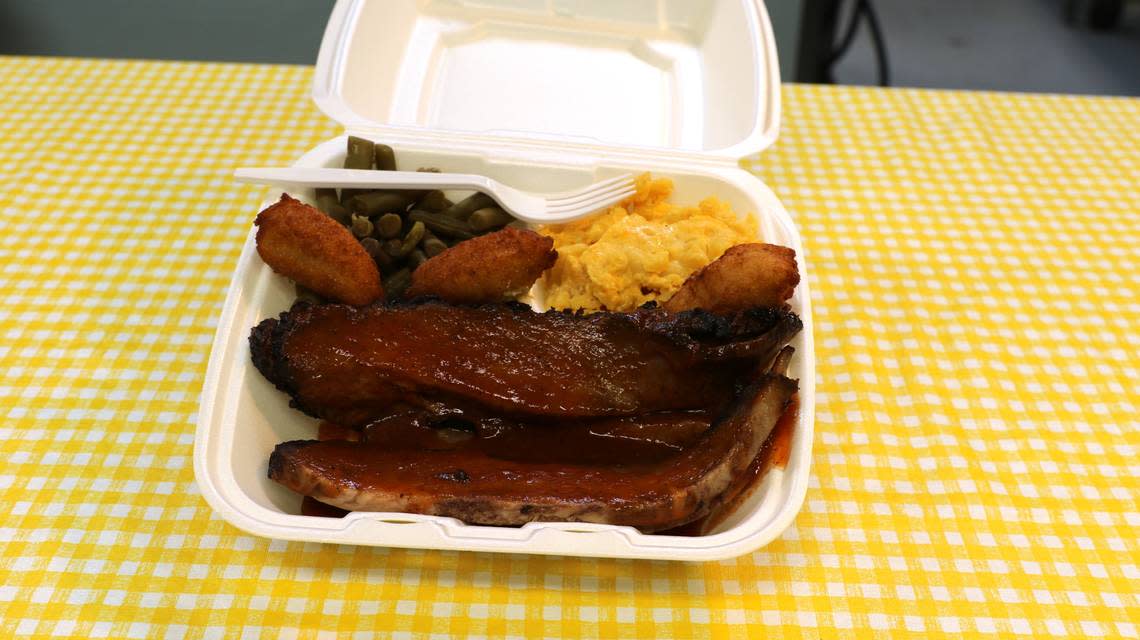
975,260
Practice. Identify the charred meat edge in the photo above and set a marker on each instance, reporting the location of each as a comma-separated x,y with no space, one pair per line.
714,336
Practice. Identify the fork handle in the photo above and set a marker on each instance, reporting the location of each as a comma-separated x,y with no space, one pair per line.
361,178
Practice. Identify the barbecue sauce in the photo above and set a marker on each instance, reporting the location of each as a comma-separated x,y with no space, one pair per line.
774,454
314,507
616,439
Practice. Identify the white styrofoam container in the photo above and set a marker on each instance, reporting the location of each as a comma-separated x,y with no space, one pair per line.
542,95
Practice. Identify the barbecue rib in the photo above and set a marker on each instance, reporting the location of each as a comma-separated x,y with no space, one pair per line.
480,489
354,366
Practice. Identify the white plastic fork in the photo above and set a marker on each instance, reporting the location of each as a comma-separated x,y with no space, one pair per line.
539,208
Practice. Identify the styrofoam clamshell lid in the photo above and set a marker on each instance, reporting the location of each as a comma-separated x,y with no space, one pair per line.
686,78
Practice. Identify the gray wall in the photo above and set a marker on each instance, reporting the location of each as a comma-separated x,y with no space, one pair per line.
287,31
786,19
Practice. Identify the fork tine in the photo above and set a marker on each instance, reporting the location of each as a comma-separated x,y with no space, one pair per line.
597,202
590,191
595,190
613,194
625,177
601,185
591,194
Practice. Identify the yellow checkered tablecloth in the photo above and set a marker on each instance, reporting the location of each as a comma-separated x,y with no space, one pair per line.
976,265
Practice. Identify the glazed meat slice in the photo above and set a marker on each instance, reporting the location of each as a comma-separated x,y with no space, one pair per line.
622,440
479,488
353,366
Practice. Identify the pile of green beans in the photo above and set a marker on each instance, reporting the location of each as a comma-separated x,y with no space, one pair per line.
403,228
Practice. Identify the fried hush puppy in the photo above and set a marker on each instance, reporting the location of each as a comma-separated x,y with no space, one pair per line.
312,249
491,268
747,275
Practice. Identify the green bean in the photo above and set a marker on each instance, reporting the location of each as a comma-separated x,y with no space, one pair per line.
432,245
376,202
412,240
392,248
416,258
488,218
372,246
389,225
398,282
434,201
517,224
442,224
340,213
464,208
361,226
328,202
357,155
385,157
417,194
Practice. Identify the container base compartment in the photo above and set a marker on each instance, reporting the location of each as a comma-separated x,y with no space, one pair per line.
243,417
